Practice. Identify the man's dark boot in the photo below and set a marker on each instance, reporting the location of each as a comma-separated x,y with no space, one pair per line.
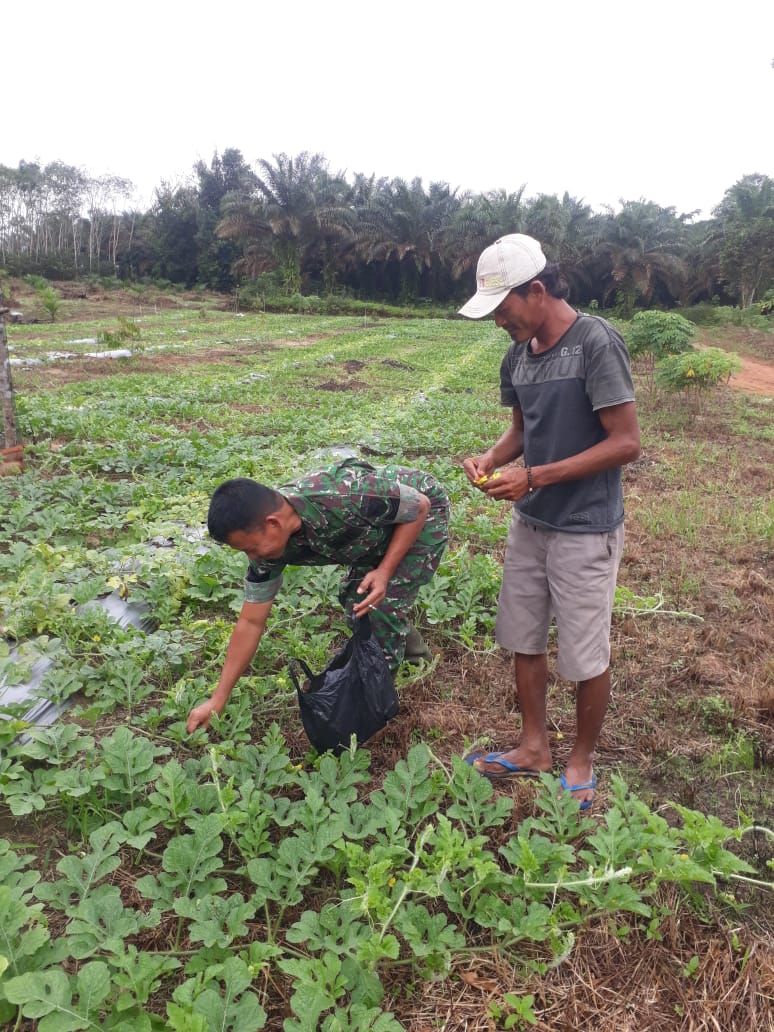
417,648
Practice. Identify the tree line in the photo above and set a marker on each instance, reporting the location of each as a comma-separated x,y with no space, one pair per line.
292,226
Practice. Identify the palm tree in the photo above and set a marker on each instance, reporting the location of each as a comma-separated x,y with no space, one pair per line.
568,233
401,224
297,210
640,254
303,204
243,221
479,221
702,257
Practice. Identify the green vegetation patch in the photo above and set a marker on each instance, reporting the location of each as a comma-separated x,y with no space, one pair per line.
233,879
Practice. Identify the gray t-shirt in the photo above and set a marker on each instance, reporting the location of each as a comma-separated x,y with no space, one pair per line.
559,392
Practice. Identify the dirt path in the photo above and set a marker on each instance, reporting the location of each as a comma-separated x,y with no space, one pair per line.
754,377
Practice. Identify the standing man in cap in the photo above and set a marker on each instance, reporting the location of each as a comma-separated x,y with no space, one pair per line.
566,378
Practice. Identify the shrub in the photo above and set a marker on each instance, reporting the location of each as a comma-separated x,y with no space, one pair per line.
757,317
47,295
127,331
659,334
50,301
331,304
696,370
38,283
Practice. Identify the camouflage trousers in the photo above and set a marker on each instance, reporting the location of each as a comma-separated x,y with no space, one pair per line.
390,620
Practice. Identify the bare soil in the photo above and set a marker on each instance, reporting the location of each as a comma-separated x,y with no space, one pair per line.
754,378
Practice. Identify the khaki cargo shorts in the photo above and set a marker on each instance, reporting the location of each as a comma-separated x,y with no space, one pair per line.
562,576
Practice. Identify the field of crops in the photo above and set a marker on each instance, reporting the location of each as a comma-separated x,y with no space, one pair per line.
232,879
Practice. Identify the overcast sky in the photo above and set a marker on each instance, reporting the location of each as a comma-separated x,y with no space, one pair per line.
668,101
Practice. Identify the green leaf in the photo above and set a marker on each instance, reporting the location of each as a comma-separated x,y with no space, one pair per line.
12,873
184,1020
132,1020
172,799
38,993
129,763
74,782
47,995
140,824
188,864
22,931
318,984
250,820
23,800
430,937
231,1007
81,874
414,788
101,923
339,928
140,973
357,1018
475,802
57,744
93,985
283,876
362,981
268,764
371,951
216,920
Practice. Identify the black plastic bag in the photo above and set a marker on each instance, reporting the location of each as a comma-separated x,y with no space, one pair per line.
354,695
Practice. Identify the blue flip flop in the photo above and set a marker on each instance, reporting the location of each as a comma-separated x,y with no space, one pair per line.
586,804
510,770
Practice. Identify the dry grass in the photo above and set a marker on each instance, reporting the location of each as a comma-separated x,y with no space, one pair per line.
615,985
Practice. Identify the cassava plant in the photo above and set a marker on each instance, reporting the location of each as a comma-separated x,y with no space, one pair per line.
651,336
696,373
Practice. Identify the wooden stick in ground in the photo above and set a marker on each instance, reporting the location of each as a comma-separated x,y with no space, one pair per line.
6,387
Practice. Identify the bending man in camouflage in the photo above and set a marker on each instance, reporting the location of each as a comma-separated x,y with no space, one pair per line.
389,526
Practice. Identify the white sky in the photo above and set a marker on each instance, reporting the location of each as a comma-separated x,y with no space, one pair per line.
671,100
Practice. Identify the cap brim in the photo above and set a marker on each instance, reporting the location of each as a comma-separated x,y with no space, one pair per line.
483,304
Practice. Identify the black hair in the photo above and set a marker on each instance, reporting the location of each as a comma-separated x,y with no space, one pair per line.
240,504
551,278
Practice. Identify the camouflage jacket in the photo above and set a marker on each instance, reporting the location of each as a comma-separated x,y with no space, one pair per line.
348,512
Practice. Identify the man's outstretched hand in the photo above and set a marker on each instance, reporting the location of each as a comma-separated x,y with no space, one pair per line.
200,716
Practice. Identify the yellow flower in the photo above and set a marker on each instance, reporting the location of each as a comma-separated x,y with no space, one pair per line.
690,373
96,637
484,478
683,856
391,882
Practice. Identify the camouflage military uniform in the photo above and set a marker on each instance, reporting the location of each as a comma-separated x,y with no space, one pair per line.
348,513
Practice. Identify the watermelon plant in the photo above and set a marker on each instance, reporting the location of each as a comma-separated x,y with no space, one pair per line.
154,880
